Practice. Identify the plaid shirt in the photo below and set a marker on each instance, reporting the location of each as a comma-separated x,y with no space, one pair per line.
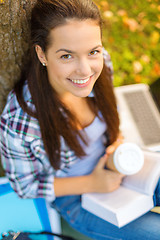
22,151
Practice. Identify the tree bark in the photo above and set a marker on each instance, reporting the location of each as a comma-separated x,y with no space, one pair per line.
14,39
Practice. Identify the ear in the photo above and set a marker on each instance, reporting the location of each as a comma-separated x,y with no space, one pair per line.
41,55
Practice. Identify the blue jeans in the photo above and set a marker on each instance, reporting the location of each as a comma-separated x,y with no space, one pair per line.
146,227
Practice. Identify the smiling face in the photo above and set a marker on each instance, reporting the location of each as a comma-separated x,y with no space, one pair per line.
74,59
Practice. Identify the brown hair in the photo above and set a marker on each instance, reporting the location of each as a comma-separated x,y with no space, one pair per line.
50,111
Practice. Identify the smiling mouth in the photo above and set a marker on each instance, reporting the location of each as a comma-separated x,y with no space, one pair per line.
80,81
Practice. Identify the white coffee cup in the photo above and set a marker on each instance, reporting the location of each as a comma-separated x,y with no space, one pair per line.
127,159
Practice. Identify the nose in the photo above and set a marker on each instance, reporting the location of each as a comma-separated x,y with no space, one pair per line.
84,67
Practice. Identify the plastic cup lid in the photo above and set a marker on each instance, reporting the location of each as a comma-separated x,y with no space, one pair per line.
128,158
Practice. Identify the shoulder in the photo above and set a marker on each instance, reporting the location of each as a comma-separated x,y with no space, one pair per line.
15,121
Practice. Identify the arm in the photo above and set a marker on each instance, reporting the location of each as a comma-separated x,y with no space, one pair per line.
24,162
31,176
100,180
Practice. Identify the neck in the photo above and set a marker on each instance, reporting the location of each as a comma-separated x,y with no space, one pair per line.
72,101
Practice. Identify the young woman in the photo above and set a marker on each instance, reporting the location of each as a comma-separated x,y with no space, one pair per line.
61,122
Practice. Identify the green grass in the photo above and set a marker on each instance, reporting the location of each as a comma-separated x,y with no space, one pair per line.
131,34
69,231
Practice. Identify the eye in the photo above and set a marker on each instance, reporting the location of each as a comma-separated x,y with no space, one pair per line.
66,56
94,52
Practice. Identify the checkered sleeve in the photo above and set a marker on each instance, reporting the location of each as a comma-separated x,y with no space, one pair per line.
24,160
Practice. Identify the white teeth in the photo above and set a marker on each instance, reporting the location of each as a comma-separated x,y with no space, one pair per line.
81,81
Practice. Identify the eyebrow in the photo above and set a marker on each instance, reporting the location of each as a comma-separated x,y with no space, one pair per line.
70,51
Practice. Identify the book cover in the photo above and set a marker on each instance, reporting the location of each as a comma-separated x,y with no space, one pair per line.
24,214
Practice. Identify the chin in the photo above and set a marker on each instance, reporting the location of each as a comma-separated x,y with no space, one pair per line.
83,95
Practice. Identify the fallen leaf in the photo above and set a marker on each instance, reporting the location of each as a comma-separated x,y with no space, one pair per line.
157,68
108,14
157,25
122,13
138,78
145,58
104,5
141,15
144,22
137,67
131,23
153,6
154,37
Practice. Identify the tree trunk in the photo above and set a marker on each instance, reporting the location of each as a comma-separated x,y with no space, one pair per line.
14,36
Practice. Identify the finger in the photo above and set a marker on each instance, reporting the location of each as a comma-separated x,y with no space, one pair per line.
102,162
110,149
120,178
122,175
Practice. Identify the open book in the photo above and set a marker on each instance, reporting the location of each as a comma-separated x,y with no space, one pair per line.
132,199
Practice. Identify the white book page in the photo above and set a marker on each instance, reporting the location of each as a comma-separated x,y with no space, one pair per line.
146,179
116,200
118,207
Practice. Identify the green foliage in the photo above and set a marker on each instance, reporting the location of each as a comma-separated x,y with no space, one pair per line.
131,34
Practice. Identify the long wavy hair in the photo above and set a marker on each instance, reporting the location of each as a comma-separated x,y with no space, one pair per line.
54,118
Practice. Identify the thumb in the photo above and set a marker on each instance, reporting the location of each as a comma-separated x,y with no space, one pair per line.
110,149
102,162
